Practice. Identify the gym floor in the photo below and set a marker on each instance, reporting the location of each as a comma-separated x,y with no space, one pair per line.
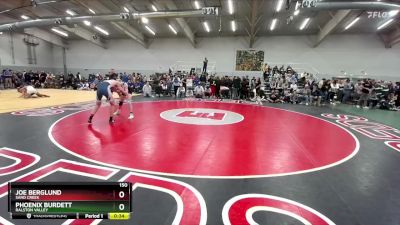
214,162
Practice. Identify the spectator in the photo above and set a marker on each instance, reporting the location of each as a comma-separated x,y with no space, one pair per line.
7,78
282,84
364,95
213,88
236,88
373,99
205,62
199,91
203,78
147,89
158,87
274,97
176,83
189,86
307,94
347,89
207,91
333,90
293,93
316,95
266,72
180,92
257,88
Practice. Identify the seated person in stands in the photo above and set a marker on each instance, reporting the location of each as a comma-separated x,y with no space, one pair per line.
139,84
333,91
49,82
158,87
316,95
199,91
131,86
147,90
163,85
181,92
373,99
292,78
293,93
189,86
274,96
286,95
207,91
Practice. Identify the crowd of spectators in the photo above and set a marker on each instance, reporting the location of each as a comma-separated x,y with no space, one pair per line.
277,85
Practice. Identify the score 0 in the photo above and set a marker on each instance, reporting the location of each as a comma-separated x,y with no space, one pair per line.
124,191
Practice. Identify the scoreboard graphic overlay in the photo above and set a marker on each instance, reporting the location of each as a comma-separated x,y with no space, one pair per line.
70,200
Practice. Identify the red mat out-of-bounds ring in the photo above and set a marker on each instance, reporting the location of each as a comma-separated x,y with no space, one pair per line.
206,139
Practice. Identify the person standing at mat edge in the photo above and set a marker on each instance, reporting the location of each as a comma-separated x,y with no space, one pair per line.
104,89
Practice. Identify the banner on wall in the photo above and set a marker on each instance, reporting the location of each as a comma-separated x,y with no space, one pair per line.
249,60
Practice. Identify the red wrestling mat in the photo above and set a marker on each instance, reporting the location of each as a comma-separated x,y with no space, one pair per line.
206,139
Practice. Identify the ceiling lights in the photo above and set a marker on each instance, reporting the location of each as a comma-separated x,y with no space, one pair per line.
304,24
230,7
385,24
87,22
70,12
150,30
206,27
145,20
154,8
126,9
352,23
101,30
273,24
233,25
25,17
92,11
279,5
196,4
62,33
172,29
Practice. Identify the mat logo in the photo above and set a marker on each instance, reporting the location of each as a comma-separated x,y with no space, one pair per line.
194,114
202,116
38,112
369,129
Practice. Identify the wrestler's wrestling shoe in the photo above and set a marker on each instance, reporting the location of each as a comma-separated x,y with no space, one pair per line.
90,119
111,120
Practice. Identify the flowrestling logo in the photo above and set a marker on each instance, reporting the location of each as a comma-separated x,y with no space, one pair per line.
373,130
202,116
